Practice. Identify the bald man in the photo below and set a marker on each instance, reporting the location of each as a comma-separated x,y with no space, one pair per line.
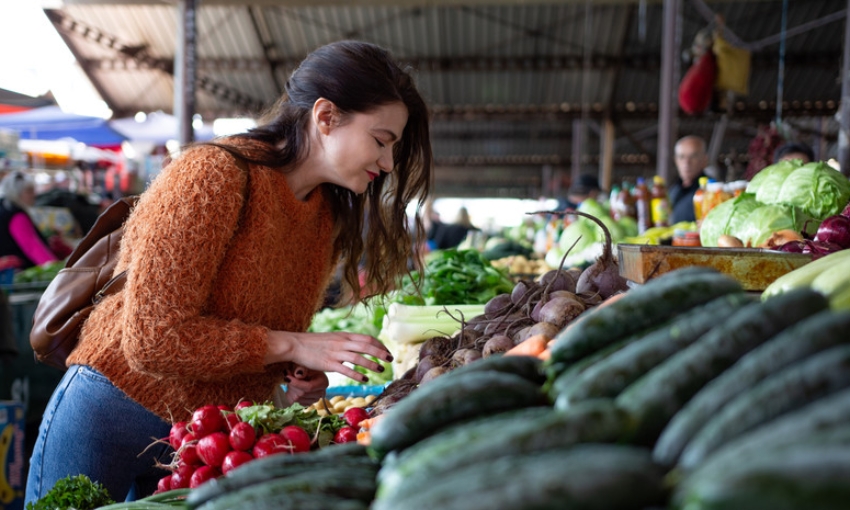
691,160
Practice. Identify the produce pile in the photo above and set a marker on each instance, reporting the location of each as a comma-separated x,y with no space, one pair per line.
219,439
686,392
531,314
784,197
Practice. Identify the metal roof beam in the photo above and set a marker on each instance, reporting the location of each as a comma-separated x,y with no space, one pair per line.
647,62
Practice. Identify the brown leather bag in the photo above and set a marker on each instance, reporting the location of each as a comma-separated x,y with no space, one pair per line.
86,279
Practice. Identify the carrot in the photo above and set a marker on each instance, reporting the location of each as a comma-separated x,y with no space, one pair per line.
531,346
545,354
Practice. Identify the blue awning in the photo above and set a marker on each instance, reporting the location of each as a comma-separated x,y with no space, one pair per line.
51,123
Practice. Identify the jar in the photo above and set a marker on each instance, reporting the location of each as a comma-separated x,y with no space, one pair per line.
686,238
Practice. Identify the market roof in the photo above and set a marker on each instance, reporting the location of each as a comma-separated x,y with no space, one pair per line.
506,80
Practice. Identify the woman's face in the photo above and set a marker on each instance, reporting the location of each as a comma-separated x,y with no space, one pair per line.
359,146
27,196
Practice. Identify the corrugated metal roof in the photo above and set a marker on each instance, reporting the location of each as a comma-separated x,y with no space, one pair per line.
505,81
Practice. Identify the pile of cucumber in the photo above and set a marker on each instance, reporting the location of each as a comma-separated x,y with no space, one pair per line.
687,393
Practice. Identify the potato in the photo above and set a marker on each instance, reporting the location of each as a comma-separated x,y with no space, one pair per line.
336,398
340,406
358,401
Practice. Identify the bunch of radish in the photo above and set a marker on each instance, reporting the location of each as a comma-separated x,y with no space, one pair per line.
217,440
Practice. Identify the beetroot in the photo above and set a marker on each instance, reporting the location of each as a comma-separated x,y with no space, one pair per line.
603,276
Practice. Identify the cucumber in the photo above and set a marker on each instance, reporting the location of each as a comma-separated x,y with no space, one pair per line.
821,419
663,391
328,483
608,377
805,275
815,377
447,400
587,476
655,302
823,414
811,335
798,476
527,367
590,422
459,434
287,500
562,380
273,467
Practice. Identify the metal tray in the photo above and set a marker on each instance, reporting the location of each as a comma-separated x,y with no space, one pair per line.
754,268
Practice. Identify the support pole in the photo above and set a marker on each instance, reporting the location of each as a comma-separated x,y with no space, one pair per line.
606,158
668,101
185,62
578,145
844,132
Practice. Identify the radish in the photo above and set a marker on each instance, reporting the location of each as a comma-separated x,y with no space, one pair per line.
181,476
243,404
231,419
235,459
354,416
271,444
213,448
188,450
297,437
206,420
175,436
345,435
164,484
203,474
242,436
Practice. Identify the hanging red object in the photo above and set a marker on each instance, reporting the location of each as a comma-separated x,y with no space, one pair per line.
697,86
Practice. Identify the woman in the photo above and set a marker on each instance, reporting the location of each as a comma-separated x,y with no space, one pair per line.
228,255
19,236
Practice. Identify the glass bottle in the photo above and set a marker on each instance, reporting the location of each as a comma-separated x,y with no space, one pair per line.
660,203
642,206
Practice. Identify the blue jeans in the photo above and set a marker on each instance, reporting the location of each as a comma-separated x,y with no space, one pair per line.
91,427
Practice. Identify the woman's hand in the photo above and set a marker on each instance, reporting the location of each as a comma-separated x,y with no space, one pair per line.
306,386
327,352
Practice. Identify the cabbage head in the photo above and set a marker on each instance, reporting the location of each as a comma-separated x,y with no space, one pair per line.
752,221
815,188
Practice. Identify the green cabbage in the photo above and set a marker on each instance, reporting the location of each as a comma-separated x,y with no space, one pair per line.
751,221
815,188
726,216
763,221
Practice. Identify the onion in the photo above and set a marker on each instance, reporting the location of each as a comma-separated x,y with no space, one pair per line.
818,249
835,230
792,247
846,211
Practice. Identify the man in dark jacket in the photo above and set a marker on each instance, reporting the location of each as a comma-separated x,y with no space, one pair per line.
691,160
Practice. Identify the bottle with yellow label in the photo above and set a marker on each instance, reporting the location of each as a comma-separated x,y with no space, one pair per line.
699,198
659,203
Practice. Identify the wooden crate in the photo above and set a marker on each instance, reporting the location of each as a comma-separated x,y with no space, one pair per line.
754,268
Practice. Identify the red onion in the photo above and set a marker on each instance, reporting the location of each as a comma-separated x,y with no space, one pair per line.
846,211
818,249
835,230
793,247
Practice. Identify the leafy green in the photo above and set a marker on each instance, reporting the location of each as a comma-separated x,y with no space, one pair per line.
78,492
268,418
452,277
39,274
815,188
751,221
358,318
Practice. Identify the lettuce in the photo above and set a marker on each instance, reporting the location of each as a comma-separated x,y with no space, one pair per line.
815,188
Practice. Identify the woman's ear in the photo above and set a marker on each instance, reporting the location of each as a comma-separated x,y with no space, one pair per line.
325,115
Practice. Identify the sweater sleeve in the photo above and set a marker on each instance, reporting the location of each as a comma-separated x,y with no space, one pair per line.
24,233
176,239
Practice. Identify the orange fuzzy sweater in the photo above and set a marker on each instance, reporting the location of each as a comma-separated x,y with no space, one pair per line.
206,282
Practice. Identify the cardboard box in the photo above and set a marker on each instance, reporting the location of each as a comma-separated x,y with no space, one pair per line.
12,452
